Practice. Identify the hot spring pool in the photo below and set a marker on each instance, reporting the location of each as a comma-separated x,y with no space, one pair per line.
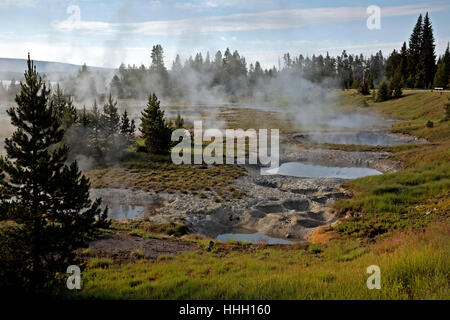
302,170
256,237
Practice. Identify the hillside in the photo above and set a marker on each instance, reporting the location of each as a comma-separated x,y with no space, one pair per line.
13,68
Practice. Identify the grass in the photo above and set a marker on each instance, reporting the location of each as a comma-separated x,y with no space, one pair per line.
397,200
165,176
413,266
147,229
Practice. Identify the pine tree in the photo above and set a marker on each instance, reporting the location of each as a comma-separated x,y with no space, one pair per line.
64,108
179,122
110,124
78,135
127,128
43,195
158,68
404,64
95,132
155,131
116,87
442,77
415,49
59,102
395,84
84,119
427,63
382,93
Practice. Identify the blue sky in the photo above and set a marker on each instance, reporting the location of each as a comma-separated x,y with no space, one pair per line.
105,33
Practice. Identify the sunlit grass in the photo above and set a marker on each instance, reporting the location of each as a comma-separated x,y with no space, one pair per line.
164,176
394,201
413,266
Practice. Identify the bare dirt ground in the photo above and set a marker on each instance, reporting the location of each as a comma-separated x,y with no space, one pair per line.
123,246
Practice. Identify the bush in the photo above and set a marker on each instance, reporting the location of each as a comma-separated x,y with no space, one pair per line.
382,94
156,131
430,124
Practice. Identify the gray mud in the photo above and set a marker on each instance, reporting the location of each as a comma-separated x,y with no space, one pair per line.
274,205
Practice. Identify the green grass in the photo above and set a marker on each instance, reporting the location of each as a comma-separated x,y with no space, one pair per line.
147,229
401,200
165,176
413,266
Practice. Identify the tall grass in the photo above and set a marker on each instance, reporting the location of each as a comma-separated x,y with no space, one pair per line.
413,266
396,201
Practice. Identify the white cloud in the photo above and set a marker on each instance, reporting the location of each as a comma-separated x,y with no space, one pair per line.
202,4
26,3
268,20
154,4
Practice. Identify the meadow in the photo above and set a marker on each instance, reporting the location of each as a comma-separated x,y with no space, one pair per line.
398,221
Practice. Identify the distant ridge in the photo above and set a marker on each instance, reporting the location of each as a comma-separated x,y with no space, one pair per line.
14,68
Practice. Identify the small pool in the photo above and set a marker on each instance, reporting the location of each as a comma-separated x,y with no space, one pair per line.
256,237
124,211
302,170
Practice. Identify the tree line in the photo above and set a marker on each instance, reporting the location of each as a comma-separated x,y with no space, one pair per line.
413,66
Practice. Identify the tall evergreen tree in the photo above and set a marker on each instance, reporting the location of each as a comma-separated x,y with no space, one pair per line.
84,119
64,108
179,122
442,76
127,128
415,50
116,87
404,62
95,132
111,118
110,125
77,136
158,68
427,62
43,195
155,130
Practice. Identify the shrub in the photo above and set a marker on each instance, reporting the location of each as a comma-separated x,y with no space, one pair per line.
382,94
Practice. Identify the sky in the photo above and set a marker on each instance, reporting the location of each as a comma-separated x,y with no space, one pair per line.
106,33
